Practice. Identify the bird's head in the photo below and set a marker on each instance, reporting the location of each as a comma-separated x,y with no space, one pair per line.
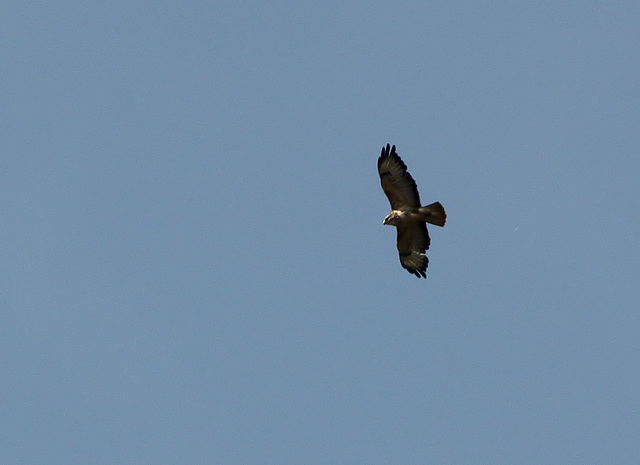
391,219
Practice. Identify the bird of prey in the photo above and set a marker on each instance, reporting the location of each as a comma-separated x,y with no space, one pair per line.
409,218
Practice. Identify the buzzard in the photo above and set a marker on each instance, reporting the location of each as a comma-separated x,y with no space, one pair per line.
409,218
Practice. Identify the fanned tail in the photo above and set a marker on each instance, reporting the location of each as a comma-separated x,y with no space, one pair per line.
434,214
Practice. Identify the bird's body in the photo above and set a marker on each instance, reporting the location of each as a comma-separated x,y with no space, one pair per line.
428,214
407,215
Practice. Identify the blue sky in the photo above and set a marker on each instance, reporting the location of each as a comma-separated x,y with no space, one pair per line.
196,269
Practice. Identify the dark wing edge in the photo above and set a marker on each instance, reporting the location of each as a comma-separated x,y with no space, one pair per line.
398,185
413,241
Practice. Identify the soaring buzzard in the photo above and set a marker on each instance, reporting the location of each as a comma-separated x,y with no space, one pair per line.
407,215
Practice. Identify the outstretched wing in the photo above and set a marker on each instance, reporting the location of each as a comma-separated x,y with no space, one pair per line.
397,183
413,242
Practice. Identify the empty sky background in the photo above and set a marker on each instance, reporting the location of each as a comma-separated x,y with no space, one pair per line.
195,268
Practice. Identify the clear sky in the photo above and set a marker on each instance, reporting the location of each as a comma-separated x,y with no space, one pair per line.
195,268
